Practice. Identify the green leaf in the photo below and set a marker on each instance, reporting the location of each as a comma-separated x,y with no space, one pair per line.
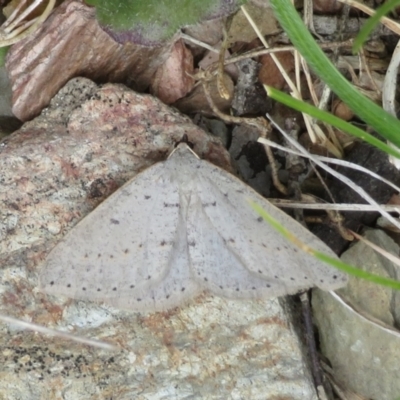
151,22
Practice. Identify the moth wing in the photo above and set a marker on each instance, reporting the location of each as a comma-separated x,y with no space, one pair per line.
216,264
224,229
122,247
177,287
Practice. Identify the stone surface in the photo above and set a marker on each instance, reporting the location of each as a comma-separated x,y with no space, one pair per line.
5,94
358,331
71,43
55,170
174,79
241,31
377,301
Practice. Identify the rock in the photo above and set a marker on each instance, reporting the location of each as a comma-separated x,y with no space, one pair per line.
71,43
358,325
55,170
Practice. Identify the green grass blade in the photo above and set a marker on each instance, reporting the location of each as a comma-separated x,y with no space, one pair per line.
372,22
351,270
384,123
330,119
3,54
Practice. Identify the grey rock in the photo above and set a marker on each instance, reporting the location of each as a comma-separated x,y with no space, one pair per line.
358,325
55,170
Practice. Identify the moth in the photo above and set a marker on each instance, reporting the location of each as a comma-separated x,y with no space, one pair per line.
181,227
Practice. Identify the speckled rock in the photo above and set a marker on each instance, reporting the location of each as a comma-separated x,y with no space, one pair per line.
55,170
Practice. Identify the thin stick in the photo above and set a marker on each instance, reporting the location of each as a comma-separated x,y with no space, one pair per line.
332,161
309,333
6,39
259,123
359,190
282,203
53,332
389,23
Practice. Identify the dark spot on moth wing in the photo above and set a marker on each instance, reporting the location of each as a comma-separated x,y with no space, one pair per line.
68,286
84,289
171,205
114,289
98,289
260,219
192,243
147,197
114,221
126,251
131,286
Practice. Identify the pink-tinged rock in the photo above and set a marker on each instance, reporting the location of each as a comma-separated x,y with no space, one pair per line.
174,79
70,43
